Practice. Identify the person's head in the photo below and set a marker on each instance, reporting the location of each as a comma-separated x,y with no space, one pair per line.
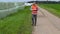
34,3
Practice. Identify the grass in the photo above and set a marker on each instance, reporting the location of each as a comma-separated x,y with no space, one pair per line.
18,23
53,8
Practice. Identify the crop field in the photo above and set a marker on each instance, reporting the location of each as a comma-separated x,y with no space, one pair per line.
20,3
17,23
7,5
53,8
7,8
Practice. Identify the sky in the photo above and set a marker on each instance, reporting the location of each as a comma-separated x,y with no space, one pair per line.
21,0
14,0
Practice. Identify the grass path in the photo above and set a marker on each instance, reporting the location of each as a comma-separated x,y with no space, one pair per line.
53,8
46,23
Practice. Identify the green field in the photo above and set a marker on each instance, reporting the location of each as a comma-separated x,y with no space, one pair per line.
4,5
53,8
18,23
7,5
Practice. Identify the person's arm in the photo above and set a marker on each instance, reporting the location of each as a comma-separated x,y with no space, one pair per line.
37,7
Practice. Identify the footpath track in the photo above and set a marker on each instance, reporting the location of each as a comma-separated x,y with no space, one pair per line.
46,23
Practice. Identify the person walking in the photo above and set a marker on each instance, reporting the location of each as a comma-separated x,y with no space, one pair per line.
34,9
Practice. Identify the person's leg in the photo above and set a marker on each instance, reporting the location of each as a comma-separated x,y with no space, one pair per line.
35,19
32,19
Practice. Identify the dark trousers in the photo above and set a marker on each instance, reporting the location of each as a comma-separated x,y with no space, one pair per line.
34,19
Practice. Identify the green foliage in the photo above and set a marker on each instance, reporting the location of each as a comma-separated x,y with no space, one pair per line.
53,8
7,5
18,23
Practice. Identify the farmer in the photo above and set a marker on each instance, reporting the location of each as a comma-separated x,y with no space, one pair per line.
34,9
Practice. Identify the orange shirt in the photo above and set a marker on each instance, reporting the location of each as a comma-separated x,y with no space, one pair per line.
34,9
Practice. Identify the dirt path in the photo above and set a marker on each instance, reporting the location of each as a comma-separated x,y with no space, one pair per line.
47,23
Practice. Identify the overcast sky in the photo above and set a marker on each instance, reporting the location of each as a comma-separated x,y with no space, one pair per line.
21,0
14,0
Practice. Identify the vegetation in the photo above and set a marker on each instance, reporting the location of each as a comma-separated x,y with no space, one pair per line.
18,23
7,5
53,8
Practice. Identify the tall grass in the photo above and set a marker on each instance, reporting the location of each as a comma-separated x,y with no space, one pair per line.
53,8
18,23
